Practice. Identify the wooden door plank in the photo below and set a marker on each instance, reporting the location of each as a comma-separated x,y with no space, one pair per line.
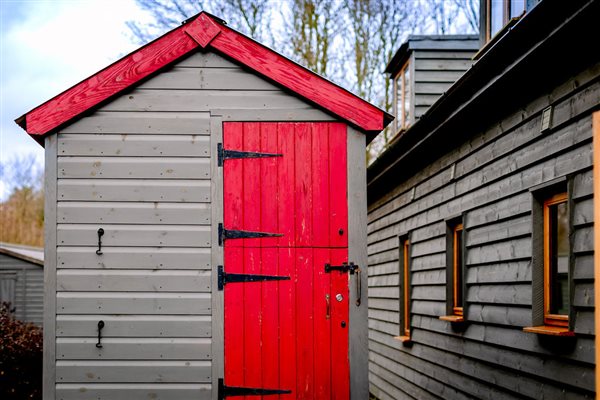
270,320
320,189
251,181
304,323
287,321
338,232
252,304
233,181
234,318
303,185
340,379
323,298
269,192
287,202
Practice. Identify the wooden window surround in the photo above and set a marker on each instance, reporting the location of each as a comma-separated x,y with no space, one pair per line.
405,291
556,276
457,276
500,13
402,97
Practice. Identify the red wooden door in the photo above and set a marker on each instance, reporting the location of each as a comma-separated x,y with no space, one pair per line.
288,334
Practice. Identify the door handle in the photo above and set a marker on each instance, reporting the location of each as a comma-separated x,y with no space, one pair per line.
358,287
327,307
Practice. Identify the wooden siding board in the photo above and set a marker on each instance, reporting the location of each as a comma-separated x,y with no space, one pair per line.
134,257
191,101
207,79
133,303
134,235
142,123
509,272
134,168
68,371
136,190
94,280
134,325
134,213
127,145
133,391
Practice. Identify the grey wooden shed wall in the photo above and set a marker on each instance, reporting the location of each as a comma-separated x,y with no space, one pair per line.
25,280
438,62
139,167
487,179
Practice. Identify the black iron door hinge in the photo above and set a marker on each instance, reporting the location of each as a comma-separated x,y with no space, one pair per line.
231,391
233,234
227,277
224,154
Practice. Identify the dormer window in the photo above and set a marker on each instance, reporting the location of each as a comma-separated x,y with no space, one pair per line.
402,99
499,14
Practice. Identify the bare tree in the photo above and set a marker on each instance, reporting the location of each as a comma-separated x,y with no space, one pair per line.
251,17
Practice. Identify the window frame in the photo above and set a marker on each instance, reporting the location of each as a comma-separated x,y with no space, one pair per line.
400,121
405,289
455,271
551,319
506,18
458,270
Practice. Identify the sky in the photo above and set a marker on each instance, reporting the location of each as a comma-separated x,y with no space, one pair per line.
47,46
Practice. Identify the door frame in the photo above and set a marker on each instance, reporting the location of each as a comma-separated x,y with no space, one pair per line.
358,356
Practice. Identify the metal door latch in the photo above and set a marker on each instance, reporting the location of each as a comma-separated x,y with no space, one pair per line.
345,267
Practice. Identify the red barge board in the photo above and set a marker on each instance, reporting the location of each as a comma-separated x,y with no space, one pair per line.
206,32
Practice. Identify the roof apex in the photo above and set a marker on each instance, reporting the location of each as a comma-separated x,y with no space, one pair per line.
205,31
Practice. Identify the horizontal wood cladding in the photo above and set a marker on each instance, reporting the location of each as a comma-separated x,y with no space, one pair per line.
137,190
133,348
133,145
125,303
488,180
139,371
134,325
93,280
134,213
139,167
133,391
150,258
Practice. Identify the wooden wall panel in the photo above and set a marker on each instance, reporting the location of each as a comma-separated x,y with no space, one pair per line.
488,181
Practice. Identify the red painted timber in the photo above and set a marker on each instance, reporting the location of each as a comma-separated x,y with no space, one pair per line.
338,172
287,334
299,79
109,82
204,32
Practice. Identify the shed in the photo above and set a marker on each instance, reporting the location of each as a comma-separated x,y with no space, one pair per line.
22,281
205,225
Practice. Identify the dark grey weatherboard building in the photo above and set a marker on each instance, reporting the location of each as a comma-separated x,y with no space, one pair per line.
480,221
205,218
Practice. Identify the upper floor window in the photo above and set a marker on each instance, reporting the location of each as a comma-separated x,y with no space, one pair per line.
500,12
402,97
556,261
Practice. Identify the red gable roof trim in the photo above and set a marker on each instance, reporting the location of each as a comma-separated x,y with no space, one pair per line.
205,32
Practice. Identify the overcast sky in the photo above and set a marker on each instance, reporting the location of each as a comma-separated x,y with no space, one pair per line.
46,46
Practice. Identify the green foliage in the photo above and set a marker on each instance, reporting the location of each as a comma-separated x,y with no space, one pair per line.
20,358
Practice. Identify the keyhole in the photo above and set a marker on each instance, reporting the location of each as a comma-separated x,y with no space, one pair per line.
341,231
343,324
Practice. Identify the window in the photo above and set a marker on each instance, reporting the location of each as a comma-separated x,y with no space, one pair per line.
556,261
500,12
551,260
455,275
404,272
402,85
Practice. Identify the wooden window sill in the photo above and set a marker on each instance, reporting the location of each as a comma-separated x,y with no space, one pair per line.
452,318
549,330
403,339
